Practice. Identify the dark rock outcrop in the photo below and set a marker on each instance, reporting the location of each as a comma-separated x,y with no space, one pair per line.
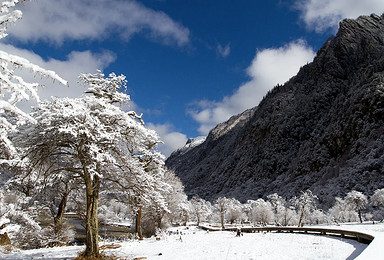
323,130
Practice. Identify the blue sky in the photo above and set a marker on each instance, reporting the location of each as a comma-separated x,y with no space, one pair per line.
189,64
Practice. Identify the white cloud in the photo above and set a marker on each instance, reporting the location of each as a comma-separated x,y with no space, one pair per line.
69,69
320,15
268,68
223,52
172,139
59,20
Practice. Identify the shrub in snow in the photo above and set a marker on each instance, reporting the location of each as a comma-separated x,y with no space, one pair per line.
52,237
18,222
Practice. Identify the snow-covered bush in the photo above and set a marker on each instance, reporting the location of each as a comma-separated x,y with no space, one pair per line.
64,236
18,222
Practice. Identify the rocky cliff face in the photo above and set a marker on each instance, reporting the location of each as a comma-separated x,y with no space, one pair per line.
323,130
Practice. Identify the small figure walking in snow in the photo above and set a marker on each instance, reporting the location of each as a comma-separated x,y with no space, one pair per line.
238,232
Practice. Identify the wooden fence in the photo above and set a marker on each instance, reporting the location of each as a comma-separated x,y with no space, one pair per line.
361,237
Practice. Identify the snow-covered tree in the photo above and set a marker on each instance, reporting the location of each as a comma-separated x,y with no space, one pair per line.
357,201
229,209
201,209
175,197
318,217
290,216
278,204
167,201
52,194
342,212
112,210
92,139
306,204
261,211
377,198
221,204
234,210
14,88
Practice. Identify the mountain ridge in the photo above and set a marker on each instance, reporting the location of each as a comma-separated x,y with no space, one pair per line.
322,130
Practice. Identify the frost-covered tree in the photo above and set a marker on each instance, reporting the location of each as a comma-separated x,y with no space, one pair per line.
221,205
166,202
175,197
149,189
234,210
306,204
112,210
52,194
261,211
290,216
342,211
357,201
92,139
278,204
229,209
201,209
14,88
377,198
318,217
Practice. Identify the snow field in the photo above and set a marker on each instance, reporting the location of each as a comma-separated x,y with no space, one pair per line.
225,245
194,243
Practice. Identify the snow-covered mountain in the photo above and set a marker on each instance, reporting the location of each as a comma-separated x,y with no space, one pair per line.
190,144
323,130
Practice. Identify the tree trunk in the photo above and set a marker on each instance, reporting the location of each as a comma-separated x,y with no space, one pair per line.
159,220
360,218
222,218
301,216
138,223
92,224
58,219
186,218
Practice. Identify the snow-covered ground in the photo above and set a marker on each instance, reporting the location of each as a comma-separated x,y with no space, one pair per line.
194,243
